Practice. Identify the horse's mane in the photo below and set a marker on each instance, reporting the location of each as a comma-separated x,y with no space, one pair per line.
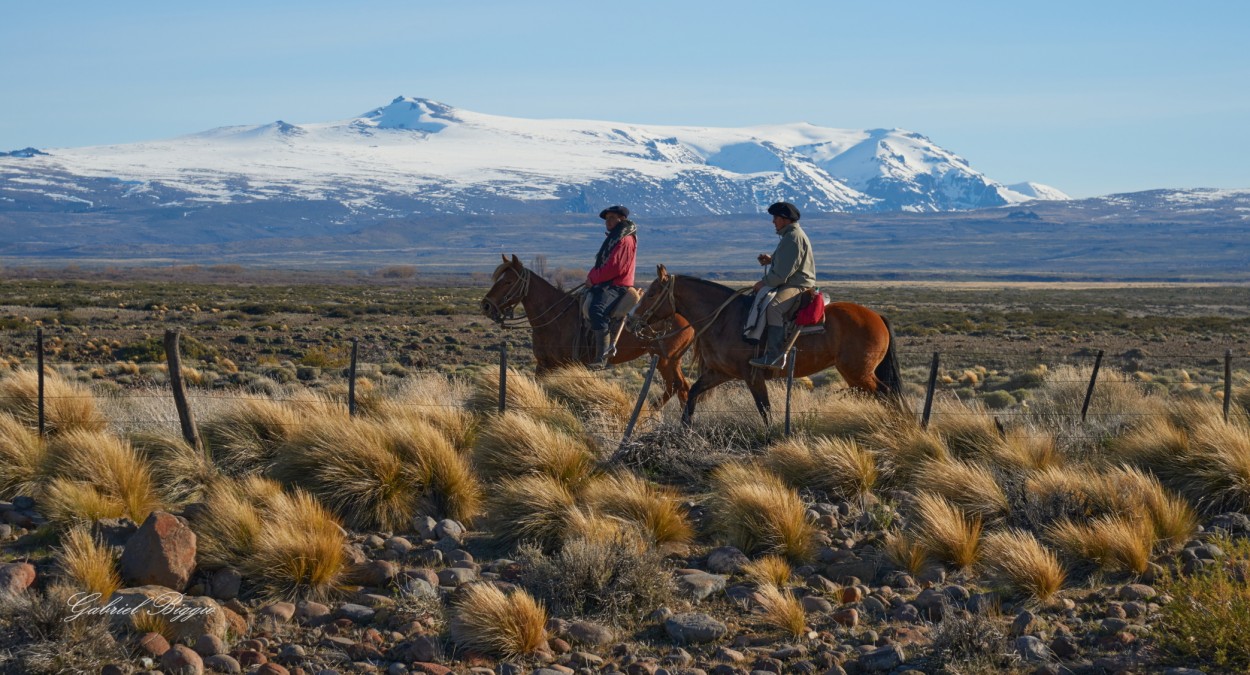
711,285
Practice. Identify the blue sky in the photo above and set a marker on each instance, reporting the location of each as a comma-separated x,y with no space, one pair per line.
1091,97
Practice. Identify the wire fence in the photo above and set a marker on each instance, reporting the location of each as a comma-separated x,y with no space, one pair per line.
131,366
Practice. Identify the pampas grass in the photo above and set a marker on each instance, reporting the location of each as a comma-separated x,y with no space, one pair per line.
902,451
945,532
513,444
967,429
839,467
781,610
1017,559
105,463
654,509
229,524
1115,543
754,510
88,563
433,399
67,406
1026,450
970,485
486,620
21,456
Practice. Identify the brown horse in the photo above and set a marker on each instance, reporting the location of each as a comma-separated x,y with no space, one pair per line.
856,340
556,321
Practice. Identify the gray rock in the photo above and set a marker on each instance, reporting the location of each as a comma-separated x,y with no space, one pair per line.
456,576
114,531
223,663
281,611
398,544
591,633
424,526
1184,671
420,589
884,658
357,613
726,560
209,645
816,604
702,585
419,648
1024,623
1232,523
225,583
1137,592
1032,649
694,628
873,607
311,613
447,545
449,529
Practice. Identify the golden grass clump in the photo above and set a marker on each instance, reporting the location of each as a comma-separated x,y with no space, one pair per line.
1128,491
379,475
485,619
905,449
754,510
230,523
1020,561
847,414
906,552
967,429
88,563
654,509
525,395
533,508
513,444
770,570
1218,471
436,400
945,532
244,437
180,473
781,610
840,467
100,463
1118,399
590,395
969,484
1156,445
1027,450
21,456
301,551
68,406
1115,543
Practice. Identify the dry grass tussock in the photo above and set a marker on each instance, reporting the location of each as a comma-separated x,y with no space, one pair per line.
616,581
839,467
486,620
967,429
1017,559
513,444
1116,543
525,395
243,438
533,508
1026,450
68,406
904,451
654,509
906,553
86,470
1127,491
842,413
591,396
434,399
379,475
769,570
287,543
754,510
21,456
1190,414
1218,469
1155,444
180,473
1118,399
88,563
781,610
945,532
969,484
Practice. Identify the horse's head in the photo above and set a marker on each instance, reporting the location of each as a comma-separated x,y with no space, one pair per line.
657,304
510,283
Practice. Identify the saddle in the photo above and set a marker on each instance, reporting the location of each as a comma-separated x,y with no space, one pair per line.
621,309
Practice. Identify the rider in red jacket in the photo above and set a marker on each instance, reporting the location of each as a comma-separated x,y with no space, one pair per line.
612,274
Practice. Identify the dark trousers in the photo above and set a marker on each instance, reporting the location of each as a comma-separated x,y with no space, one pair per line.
602,298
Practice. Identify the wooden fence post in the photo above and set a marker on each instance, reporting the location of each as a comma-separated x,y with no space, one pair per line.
39,366
790,384
1093,378
503,375
172,356
1228,382
642,397
928,392
351,381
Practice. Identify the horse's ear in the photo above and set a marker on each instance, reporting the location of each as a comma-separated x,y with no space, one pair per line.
516,262
504,256
660,271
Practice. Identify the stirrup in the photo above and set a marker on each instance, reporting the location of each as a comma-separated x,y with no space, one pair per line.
778,363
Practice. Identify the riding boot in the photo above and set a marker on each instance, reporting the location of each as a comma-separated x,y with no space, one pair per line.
602,341
774,343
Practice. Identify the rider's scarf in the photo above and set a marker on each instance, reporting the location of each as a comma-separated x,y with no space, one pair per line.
624,229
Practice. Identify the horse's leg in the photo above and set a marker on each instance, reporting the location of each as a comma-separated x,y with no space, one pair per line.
758,386
701,386
674,382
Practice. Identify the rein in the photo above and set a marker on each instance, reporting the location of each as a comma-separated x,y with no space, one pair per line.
670,294
518,293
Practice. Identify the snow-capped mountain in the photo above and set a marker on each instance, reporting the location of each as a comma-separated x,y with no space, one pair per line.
419,157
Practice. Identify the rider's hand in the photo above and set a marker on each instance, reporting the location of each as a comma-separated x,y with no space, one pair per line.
758,285
764,258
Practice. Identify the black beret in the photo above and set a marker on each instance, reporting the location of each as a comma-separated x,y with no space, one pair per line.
785,210
618,210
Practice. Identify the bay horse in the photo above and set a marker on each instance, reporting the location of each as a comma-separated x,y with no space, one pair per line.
556,322
856,340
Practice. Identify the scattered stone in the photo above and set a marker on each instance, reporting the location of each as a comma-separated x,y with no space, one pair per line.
456,576
694,628
873,607
884,658
726,560
152,644
1137,592
847,616
209,645
1232,523
449,529
701,585
816,605
223,663
161,552
356,613
418,648
430,557
1184,671
585,660
851,594
181,659
15,578
1024,623
729,655
291,655
399,545
271,668
250,657
590,633
225,583
279,611
424,526
1031,649
114,531
311,613
372,541
199,615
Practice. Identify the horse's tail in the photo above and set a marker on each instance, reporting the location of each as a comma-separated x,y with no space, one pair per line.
889,379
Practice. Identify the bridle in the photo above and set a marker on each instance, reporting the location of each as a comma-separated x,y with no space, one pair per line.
669,293
507,304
